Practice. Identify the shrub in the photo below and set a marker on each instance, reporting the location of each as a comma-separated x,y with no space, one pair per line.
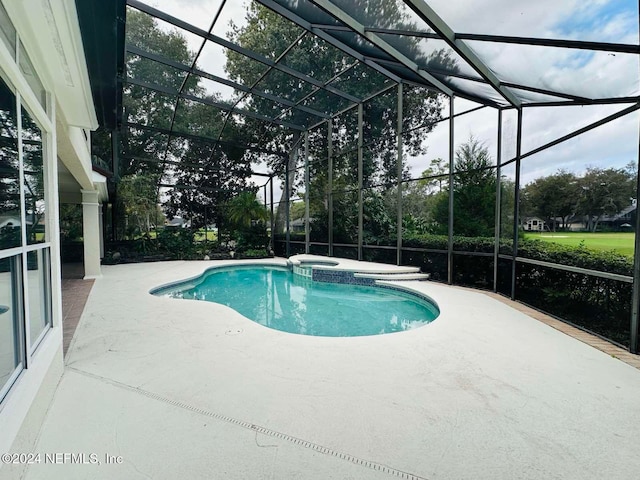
280,244
254,253
295,237
380,255
177,242
431,242
10,236
461,244
254,237
598,304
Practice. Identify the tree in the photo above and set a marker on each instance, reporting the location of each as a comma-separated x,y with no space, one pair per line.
418,200
207,178
245,208
33,185
604,192
507,206
206,174
247,216
345,215
435,175
138,194
552,197
269,34
378,223
474,193
70,222
144,152
150,107
10,167
297,210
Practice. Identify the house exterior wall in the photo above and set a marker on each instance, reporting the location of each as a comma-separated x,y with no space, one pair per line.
46,110
534,224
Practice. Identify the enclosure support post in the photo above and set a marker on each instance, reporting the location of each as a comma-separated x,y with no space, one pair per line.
264,192
206,228
115,166
115,158
516,205
286,206
273,245
101,229
266,207
360,174
635,299
496,249
306,192
330,192
399,133
451,167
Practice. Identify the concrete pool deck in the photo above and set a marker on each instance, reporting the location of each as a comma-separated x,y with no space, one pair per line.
186,389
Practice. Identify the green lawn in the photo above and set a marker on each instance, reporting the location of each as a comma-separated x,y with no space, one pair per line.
211,236
198,236
620,242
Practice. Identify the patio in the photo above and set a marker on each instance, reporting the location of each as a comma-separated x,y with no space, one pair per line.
194,390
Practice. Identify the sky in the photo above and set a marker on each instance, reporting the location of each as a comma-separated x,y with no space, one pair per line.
591,74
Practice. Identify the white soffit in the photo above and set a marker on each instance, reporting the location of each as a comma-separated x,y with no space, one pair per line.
100,183
51,27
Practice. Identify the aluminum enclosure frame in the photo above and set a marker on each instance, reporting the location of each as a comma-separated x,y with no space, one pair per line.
426,78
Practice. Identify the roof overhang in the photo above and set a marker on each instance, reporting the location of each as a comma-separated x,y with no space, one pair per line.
102,24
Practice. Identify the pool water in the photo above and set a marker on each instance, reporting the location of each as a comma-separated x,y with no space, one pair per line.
276,298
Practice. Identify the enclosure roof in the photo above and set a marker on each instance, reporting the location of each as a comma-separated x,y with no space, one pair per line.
502,54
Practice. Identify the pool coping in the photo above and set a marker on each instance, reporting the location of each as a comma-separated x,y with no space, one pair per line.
194,280
318,262
350,279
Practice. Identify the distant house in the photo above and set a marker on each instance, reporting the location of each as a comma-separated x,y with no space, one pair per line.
534,224
10,220
298,225
177,222
626,216
621,220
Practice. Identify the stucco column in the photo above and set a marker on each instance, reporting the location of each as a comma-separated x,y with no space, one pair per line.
101,227
91,233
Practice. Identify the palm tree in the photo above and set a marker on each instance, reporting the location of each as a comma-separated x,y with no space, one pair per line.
244,208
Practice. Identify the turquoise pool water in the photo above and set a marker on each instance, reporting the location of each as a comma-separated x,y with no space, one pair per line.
276,298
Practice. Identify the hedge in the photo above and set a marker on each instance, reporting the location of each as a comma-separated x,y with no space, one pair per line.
602,261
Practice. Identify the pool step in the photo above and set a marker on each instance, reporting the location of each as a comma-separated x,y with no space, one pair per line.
336,268
393,276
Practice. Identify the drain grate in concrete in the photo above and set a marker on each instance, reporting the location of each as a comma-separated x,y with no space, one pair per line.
257,428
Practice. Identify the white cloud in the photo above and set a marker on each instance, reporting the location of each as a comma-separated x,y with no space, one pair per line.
539,18
599,74
200,13
611,145
577,72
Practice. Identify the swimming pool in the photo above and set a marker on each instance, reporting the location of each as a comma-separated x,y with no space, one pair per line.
274,297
